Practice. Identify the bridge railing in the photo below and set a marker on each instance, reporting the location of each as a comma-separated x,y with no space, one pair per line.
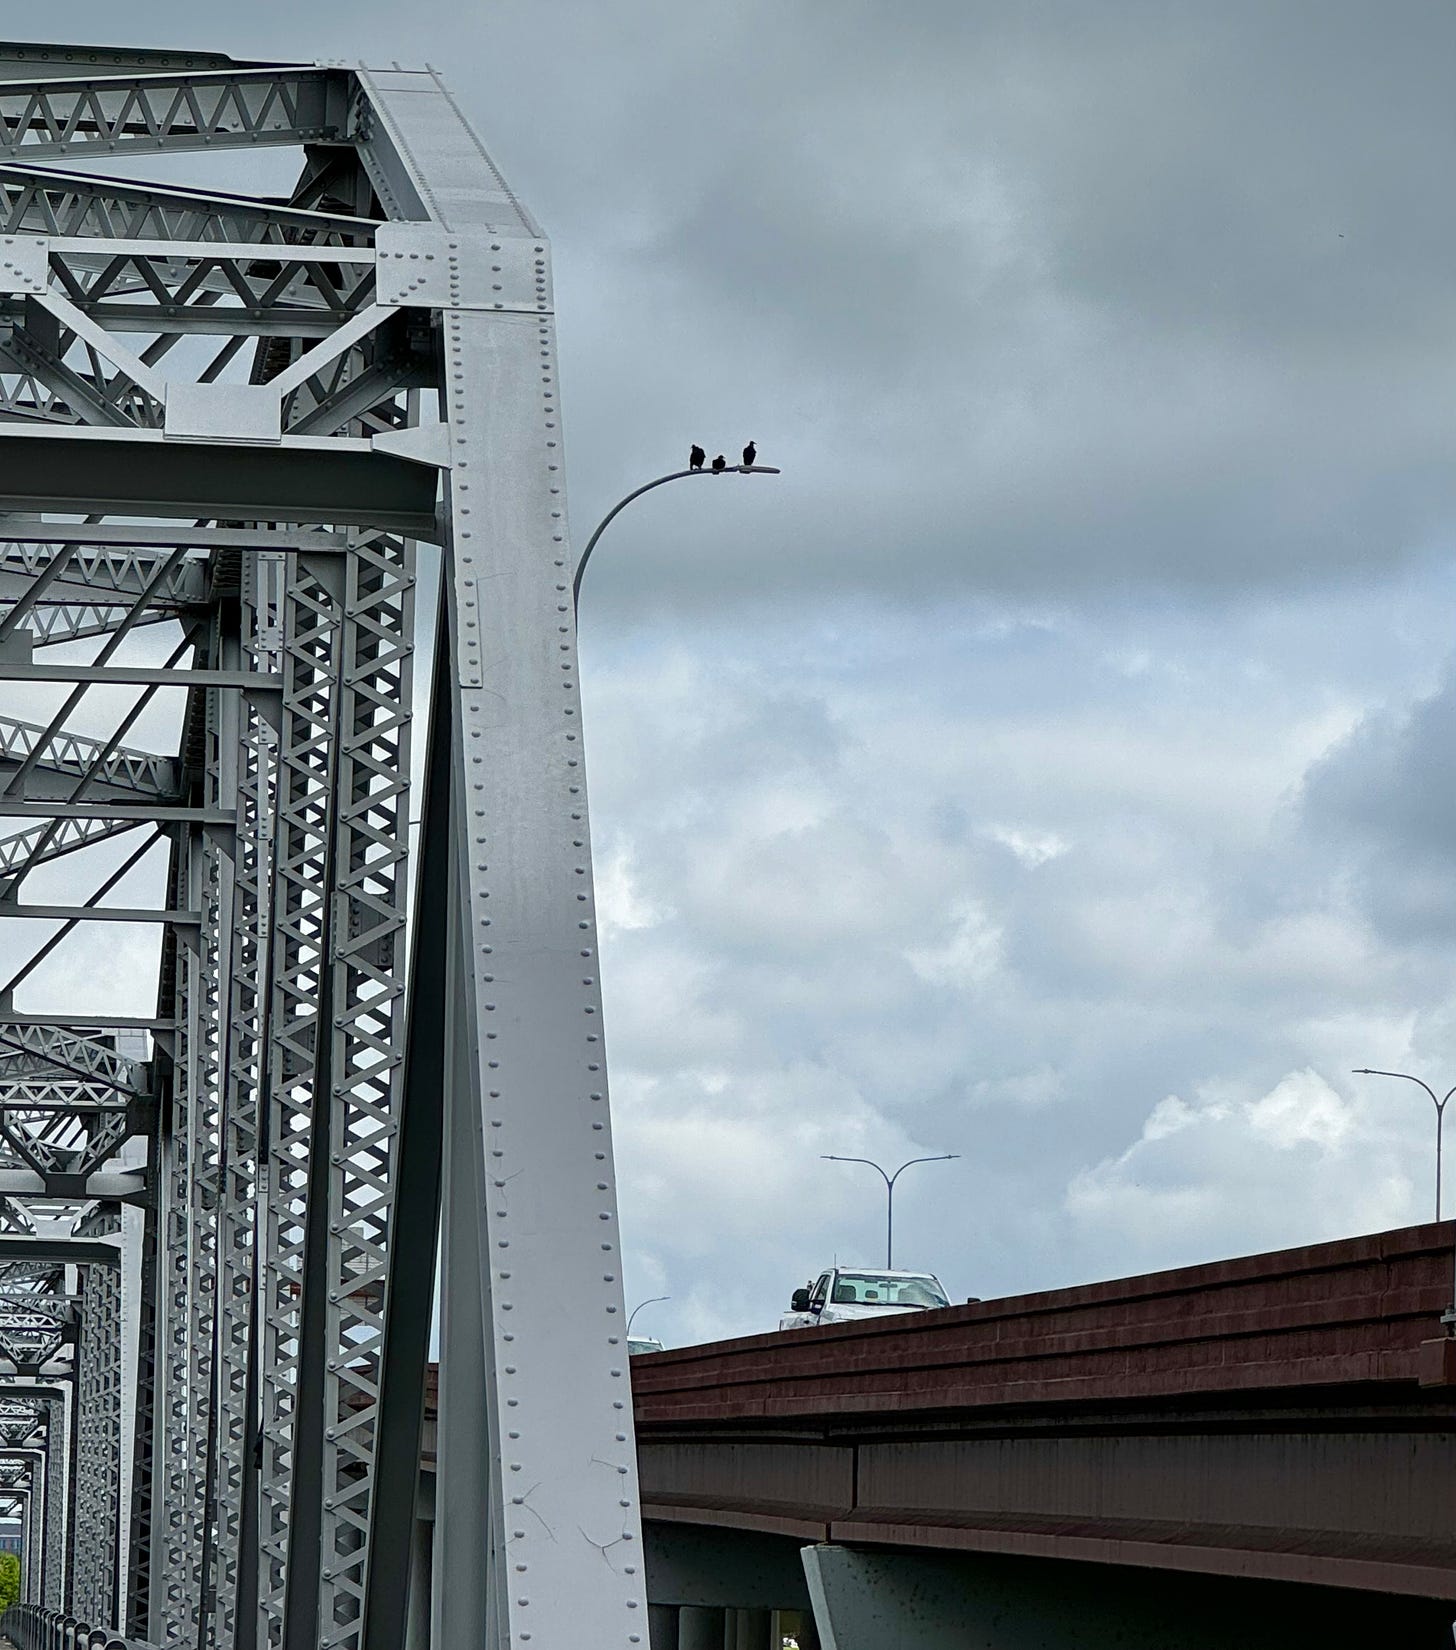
29,1627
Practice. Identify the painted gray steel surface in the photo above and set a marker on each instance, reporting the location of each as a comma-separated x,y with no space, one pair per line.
227,425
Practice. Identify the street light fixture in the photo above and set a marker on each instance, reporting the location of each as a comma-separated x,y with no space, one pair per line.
640,1304
1440,1105
621,504
1448,1317
591,544
889,1180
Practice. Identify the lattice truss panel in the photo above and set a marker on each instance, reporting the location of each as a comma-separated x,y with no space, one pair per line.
98,1387
229,1063
32,1476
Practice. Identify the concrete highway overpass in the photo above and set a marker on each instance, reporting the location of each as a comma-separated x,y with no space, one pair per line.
1256,1452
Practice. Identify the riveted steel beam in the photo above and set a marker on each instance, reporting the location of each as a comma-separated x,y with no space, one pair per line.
132,472
52,202
108,114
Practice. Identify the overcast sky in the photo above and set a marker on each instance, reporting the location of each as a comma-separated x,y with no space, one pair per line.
1054,764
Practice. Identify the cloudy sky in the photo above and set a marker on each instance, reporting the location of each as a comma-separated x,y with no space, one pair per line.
1053,765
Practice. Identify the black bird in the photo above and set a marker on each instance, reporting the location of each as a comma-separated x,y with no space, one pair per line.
750,455
719,465
695,458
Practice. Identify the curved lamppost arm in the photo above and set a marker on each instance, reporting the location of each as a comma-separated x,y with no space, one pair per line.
640,1304
940,1157
661,481
1370,1071
832,1157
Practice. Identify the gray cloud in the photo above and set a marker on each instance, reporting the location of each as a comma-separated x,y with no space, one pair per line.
1383,797
1031,300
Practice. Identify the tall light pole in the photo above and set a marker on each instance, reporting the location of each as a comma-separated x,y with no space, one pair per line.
661,481
640,1304
1440,1105
889,1180
1448,1317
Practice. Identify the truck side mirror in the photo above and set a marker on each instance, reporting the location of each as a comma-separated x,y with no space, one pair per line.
799,1301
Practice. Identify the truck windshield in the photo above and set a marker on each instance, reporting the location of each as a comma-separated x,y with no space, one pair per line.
860,1288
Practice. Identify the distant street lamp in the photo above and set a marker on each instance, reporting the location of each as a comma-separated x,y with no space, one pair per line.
621,504
1440,1105
889,1180
1448,1317
640,1304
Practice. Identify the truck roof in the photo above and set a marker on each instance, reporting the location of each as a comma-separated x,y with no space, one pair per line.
879,1271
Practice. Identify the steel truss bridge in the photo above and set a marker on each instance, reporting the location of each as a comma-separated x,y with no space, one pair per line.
291,791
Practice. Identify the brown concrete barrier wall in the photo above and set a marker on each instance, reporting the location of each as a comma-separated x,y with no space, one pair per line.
1330,1314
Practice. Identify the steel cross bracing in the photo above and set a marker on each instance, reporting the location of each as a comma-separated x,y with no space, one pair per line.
262,1045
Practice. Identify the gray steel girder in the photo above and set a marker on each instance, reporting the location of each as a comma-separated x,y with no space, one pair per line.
219,1206
162,109
123,772
53,202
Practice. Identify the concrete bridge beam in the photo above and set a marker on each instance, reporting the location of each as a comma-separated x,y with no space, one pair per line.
743,1570
751,1630
866,1600
686,1626
662,1627
700,1627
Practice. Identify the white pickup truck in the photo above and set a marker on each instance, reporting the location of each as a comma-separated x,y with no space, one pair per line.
843,1294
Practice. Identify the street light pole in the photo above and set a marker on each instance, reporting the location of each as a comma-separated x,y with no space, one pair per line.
1448,1318
661,481
1440,1105
889,1180
640,1304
